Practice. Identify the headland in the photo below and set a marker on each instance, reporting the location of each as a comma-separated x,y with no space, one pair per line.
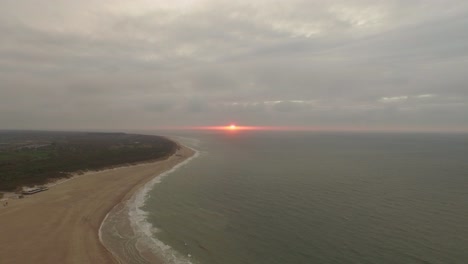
61,225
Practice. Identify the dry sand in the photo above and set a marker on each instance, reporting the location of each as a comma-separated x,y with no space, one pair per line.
61,225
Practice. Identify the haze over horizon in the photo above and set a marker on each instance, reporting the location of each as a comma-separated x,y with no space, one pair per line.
141,64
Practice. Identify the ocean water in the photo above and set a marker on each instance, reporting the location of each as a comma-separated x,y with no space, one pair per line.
298,197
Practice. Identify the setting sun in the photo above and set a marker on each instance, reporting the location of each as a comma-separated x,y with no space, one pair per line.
232,127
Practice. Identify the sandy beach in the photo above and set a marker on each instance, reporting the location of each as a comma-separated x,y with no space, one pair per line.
61,225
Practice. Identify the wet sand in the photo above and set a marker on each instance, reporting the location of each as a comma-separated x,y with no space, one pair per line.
61,225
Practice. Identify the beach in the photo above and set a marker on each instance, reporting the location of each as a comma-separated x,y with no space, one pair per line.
61,225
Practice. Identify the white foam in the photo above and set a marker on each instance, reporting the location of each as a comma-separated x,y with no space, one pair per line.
143,229
100,237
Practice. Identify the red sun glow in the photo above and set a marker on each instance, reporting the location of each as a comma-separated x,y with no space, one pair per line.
232,127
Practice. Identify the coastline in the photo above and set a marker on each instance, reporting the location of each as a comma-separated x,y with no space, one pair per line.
62,225
125,231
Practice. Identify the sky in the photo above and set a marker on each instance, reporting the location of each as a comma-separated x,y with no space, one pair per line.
147,64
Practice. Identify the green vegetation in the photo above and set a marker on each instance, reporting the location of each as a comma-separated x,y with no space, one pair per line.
29,158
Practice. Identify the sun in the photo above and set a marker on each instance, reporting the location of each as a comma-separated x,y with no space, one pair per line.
232,127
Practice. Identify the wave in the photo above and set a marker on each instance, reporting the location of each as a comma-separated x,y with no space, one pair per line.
134,245
143,228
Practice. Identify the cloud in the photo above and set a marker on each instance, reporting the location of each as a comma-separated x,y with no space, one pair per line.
425,96
404,98
125,64
394,99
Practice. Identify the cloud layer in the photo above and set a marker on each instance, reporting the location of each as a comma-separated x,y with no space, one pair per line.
143,64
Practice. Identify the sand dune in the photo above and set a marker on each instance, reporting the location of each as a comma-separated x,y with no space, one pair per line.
61,225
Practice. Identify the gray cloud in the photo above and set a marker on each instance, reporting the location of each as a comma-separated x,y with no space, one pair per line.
142,64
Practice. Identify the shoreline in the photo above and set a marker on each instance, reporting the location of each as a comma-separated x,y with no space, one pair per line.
62,225
125,225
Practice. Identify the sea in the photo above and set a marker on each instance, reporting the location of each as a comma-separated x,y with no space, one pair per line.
260,197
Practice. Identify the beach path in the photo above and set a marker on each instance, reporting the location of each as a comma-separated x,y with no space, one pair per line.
61,225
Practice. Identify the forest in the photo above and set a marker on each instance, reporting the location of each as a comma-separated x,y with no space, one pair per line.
36,157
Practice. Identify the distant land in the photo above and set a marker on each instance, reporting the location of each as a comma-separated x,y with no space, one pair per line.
37,157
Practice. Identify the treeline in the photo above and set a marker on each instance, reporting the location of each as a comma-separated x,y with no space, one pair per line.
31,158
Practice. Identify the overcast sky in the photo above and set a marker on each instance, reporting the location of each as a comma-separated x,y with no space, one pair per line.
142,64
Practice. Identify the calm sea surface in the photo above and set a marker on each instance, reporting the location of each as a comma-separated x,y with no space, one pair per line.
291,198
